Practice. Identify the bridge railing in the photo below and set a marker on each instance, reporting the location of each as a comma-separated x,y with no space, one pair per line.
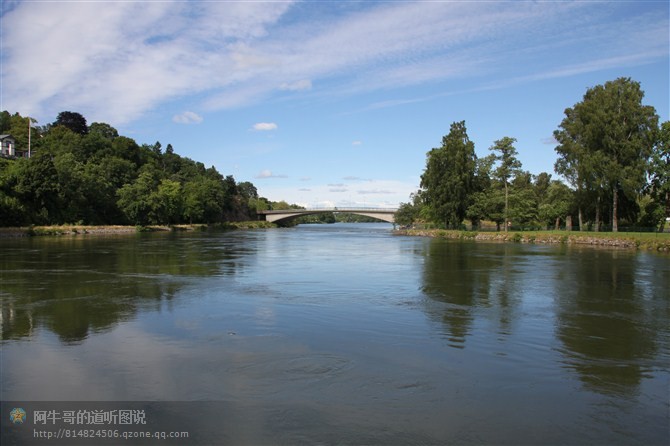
331,209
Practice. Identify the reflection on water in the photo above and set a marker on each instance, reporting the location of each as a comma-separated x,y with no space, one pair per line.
75,286
346,334
610,319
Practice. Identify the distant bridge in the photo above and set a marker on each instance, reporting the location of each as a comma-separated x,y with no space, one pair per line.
380,214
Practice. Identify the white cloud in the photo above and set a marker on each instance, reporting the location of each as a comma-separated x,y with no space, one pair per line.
267,173
188,117
265,126
375,192
115,61
380,193
357,143
304,84
549,141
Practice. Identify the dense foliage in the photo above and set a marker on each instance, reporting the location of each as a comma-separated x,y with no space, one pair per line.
91,175
449,178
611,151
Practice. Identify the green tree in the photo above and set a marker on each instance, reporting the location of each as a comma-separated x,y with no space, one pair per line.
556,204
408,213
5,122
449,178
660,175
203,200
135,199
508,167
35,183
18,126
605,142
167,202
104,130
73,121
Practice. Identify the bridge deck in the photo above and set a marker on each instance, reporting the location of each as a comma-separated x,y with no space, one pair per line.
344,210
382,214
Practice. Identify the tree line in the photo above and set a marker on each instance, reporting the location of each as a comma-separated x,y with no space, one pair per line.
612,153
89,174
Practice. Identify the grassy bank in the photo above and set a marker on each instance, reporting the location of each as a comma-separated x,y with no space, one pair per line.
76,230
639,240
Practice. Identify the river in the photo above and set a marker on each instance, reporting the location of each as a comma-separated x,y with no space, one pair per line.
344,334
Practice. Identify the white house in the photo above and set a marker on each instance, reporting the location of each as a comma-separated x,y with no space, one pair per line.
7,145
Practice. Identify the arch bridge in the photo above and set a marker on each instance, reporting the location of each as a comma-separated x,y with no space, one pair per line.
387,215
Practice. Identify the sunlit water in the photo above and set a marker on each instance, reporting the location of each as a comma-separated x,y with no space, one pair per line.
347,334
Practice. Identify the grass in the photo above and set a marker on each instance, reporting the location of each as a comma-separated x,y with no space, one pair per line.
648,241
60,230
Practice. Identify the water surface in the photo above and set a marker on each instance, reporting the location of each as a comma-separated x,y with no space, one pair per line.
347,334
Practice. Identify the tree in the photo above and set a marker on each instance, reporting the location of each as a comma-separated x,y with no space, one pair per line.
104,130
523,200
408,213
18,126
509,166
606,140
556,204
134,198
542,183
449,178
167,202
73,121
5,122
203,200
660,173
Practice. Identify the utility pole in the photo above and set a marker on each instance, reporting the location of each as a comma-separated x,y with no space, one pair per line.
29,128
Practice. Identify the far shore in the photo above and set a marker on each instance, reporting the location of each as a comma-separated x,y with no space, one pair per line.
77,230
647,241
644,241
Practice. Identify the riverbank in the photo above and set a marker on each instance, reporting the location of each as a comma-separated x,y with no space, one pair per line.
77,230
639,241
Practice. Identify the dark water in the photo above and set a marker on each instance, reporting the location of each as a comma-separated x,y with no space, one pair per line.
346,334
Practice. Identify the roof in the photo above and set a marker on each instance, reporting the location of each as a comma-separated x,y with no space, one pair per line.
6,136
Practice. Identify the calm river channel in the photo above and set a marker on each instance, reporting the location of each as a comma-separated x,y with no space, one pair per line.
344,334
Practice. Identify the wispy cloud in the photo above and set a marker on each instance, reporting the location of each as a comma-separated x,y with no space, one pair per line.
375,192
304,84
188,117
115,61
265,126
549,141
267,173
356,143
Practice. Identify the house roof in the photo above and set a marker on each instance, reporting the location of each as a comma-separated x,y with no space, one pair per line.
6,136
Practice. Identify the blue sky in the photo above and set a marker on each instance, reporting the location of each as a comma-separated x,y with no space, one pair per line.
328,103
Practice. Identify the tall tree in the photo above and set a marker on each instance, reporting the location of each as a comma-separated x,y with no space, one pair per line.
555,204
449,178
660,172
508,167
73,121
606,140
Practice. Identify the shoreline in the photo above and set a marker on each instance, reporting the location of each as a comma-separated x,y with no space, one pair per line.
78,230
637,241
646,242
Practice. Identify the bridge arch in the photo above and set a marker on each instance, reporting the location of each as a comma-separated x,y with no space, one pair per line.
387,215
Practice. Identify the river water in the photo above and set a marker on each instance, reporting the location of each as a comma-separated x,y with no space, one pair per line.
346,334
